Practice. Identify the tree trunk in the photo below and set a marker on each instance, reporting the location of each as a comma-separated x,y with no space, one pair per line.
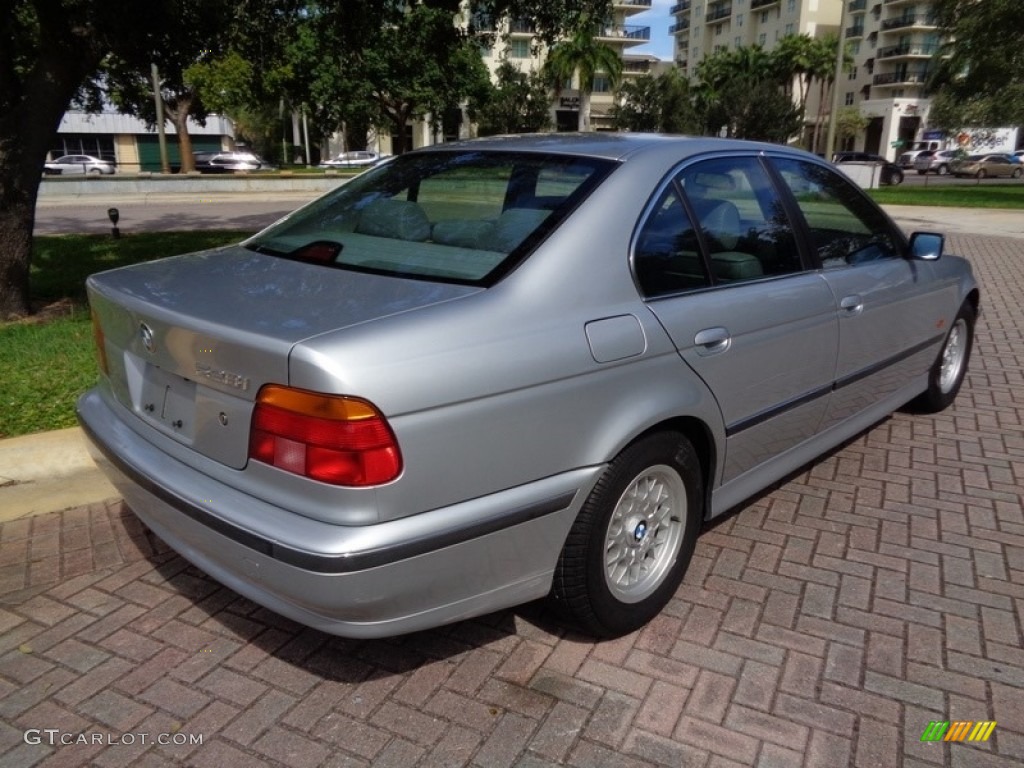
584,116
177,113
28,127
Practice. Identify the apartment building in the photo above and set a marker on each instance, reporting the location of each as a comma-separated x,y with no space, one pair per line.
892,43
516,41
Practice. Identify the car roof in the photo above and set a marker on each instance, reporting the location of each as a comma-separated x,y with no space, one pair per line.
612,146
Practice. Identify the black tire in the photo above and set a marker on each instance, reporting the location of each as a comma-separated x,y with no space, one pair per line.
950,367
921,173
942,170
1016,173
980,174
632,541
95,172
896,179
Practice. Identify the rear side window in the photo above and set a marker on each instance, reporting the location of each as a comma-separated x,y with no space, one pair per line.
845,228
459,216
720,222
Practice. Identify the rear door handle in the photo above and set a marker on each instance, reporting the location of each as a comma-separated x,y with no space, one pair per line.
853,304
712,341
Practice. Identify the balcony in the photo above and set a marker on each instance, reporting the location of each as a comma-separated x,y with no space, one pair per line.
620,32
856,6
899,2
636,67
853,32
521,27
907,20
634,5
910,77
757,4
908,51
718,14
682,26
680,7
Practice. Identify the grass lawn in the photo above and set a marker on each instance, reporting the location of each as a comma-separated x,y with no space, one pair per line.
985,194
48,360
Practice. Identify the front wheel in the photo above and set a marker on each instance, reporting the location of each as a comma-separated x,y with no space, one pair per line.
942,170
980,174
949,369
896,179
1016,173
626,554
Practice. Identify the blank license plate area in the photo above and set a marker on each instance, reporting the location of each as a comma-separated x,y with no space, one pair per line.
169,401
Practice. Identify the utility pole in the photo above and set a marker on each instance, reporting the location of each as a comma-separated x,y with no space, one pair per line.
165,164
830,141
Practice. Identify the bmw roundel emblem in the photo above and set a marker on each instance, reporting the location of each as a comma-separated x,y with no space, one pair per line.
147,337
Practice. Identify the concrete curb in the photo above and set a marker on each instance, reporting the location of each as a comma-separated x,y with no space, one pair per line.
48,472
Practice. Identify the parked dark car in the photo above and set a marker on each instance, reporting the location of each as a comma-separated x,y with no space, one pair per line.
890,173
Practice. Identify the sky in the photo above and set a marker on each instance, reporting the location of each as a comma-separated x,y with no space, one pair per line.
659,21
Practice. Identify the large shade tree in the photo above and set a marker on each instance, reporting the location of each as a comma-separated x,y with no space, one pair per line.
49,49
979,78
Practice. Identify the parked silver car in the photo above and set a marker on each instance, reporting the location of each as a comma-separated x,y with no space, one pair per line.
490,371
936,161
360,158
71,165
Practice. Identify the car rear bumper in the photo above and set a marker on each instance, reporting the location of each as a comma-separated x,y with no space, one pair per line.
400,576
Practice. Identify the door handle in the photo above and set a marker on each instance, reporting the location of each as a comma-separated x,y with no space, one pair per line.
712,341
853,304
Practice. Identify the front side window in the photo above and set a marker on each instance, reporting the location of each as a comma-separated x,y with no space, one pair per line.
846,229
460,216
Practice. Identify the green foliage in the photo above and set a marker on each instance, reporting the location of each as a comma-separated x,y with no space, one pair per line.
517,103
979,80
849,123
661,103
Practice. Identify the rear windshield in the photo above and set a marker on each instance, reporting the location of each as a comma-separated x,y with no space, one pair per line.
459,216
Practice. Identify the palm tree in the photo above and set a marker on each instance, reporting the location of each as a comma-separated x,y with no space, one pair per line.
583,56
794,57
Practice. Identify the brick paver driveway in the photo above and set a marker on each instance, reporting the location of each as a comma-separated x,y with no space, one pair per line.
827,623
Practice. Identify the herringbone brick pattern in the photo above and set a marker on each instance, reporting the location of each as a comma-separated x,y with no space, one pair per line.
824,624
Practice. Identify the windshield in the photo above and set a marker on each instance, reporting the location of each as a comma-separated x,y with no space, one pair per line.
453,216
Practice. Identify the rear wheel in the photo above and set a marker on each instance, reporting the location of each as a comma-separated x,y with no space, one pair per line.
633,539
897,178
950,368
1016,173
942,170
980,174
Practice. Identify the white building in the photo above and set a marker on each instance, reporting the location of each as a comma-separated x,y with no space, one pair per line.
893,43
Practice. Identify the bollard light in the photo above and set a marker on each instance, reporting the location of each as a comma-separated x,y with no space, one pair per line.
113,214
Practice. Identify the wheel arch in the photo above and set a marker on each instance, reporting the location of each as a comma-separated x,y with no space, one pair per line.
701,438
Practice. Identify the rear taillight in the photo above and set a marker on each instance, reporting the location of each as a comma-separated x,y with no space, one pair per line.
330,438
100,343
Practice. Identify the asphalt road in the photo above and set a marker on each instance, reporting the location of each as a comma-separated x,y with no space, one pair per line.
173,213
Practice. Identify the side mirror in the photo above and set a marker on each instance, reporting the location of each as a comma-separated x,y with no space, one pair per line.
926,246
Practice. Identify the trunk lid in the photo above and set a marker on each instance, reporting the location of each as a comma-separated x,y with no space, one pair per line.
190,340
